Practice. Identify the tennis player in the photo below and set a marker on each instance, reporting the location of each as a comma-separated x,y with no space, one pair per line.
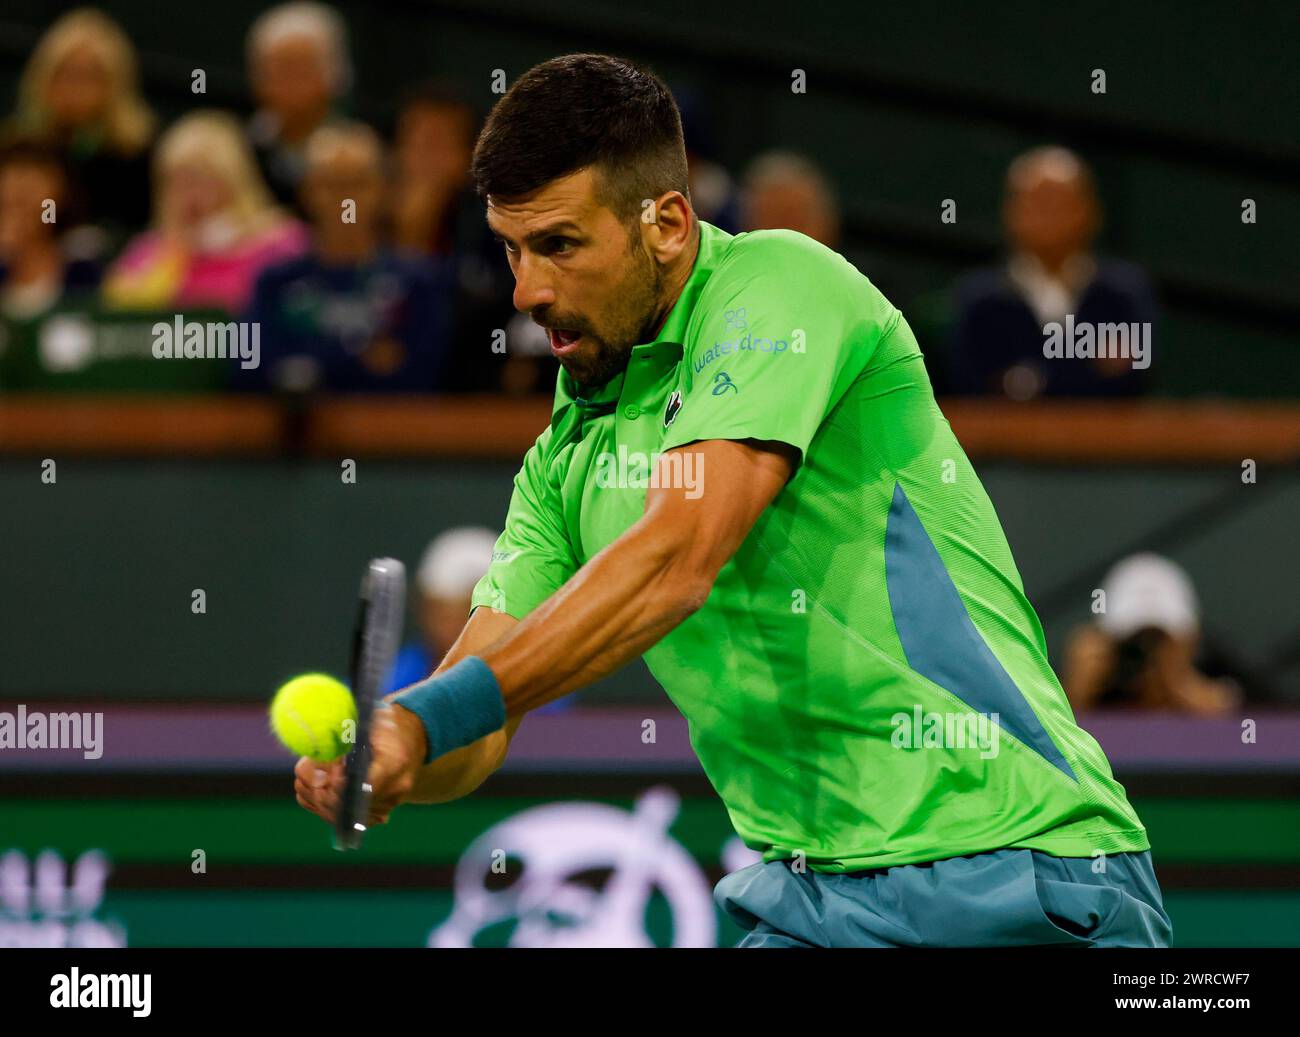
746,479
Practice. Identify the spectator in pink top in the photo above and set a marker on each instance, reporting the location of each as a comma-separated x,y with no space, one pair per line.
215,226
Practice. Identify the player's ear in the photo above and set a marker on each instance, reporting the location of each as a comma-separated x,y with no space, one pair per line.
667,230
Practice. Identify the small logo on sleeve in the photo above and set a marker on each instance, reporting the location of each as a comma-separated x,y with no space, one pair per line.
674,405
722,382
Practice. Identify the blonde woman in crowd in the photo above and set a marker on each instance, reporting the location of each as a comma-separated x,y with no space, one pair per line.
215,226
80,96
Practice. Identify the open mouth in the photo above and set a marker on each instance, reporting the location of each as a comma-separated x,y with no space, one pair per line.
563,340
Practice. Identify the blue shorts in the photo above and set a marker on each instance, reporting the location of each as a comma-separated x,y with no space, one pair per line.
1003,898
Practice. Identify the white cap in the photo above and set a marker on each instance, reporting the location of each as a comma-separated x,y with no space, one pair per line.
455,561
1147,590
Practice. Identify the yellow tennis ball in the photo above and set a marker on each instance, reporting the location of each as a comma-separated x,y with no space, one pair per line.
314,715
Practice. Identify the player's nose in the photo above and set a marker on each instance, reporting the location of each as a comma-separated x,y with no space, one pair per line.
532,290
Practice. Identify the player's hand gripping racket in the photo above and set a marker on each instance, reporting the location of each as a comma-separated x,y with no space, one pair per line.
374,645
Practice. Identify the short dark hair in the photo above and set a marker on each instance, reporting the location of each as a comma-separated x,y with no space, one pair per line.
584,110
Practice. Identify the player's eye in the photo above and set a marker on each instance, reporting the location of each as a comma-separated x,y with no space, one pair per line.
560,246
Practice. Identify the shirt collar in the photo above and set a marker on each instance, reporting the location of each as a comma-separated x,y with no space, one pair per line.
1051,296
666,347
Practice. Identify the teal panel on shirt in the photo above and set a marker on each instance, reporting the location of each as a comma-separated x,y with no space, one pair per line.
940,640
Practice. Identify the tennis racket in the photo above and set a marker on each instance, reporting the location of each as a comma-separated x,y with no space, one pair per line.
374,645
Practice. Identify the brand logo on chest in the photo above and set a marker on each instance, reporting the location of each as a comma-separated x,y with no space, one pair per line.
674,405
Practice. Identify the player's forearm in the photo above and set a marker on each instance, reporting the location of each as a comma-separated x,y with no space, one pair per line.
618,605
458,773
610,612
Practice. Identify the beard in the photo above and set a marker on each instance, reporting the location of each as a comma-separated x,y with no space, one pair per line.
606,349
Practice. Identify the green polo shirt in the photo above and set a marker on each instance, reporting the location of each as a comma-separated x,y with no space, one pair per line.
866,685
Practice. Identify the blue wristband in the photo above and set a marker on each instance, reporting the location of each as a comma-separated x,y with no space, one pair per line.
456,707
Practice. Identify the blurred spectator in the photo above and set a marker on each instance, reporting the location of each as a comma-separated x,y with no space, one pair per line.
1141,651
452,564
782,190
1051,216
351,314
215,226
299,70
35,273
434,142
436,212
80,95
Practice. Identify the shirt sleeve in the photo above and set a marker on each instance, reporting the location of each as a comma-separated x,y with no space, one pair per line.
533,557
782,329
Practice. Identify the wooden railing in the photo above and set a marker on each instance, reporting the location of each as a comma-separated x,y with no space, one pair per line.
488,427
